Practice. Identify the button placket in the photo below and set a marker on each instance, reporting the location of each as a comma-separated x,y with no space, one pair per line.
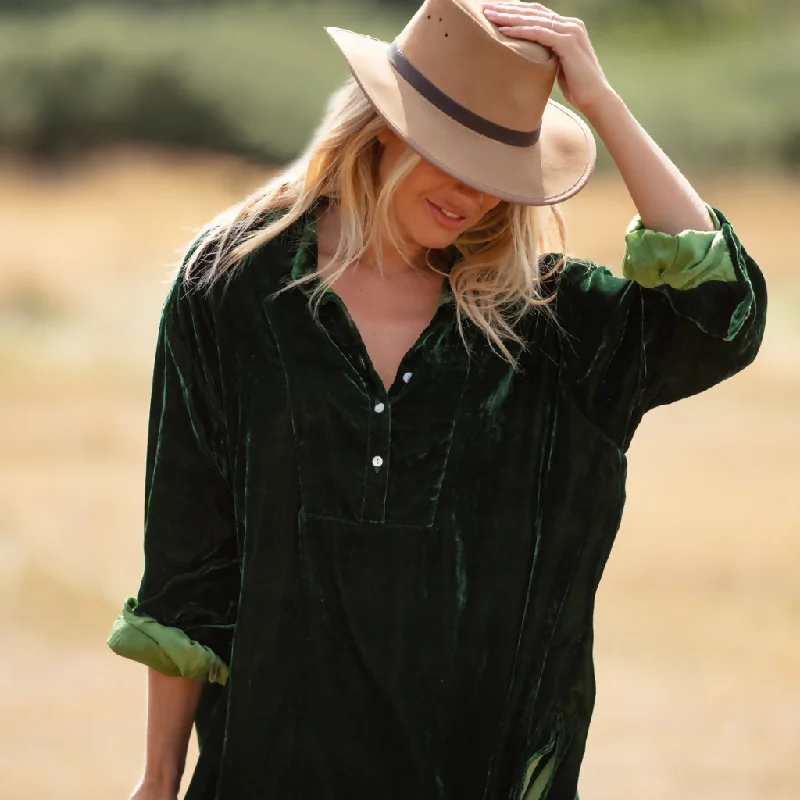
377,477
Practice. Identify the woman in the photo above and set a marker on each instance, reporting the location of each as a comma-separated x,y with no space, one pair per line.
387,437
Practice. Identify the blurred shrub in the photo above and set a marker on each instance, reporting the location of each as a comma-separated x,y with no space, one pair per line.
604,13
252,78
244,78
92,98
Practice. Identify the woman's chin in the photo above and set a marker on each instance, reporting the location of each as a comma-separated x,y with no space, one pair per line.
434,239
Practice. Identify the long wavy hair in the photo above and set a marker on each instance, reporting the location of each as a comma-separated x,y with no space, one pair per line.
498,277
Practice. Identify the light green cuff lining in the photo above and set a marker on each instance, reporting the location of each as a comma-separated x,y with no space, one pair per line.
683,261
164,649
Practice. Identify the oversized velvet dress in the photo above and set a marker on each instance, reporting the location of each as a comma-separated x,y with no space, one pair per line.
390,594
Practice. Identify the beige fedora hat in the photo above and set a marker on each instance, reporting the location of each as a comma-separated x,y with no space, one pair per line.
475,103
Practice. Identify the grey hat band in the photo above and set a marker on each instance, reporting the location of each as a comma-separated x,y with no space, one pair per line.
454,109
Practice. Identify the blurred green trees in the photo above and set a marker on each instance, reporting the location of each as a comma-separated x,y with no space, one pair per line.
596,11
715,81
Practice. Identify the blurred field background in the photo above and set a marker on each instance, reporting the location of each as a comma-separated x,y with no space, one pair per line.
123,125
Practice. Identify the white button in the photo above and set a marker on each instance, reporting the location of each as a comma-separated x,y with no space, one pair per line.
379,408
406,377
377,461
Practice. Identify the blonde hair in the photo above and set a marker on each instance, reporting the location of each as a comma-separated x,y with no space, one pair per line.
495,282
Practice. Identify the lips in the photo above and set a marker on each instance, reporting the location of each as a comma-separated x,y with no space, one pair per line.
455,214
444,220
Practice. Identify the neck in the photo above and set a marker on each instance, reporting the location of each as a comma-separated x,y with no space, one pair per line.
394,261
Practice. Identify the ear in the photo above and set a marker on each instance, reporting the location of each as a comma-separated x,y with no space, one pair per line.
384,136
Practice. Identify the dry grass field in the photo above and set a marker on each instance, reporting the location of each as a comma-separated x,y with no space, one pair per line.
698,619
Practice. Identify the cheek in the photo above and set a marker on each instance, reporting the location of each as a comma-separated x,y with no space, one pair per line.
410,201
489,204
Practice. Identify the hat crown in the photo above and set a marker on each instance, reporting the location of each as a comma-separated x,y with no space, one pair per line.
506,81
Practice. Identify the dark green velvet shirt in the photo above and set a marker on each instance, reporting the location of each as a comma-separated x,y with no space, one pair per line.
402,583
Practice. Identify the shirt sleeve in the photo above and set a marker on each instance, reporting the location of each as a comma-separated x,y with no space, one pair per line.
689,313
182,620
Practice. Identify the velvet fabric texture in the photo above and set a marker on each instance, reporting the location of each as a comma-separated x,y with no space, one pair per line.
403,583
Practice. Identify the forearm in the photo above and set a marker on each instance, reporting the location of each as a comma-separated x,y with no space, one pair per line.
171,708
663,197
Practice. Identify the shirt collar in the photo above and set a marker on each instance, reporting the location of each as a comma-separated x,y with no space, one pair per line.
305,258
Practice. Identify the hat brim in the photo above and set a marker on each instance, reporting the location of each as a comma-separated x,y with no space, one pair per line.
553,170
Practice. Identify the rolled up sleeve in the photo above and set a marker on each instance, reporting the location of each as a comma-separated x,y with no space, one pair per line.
689,313
687,261
167,650
183,618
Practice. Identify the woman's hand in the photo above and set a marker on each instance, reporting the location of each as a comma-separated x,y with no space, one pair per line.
664,198
580,76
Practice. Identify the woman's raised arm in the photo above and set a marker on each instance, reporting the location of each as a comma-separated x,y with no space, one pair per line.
664,198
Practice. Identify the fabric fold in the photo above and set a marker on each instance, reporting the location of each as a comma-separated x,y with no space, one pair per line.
689,260
683,261
167,650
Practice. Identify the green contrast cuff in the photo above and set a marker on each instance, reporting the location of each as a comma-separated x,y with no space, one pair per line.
164,649
683,261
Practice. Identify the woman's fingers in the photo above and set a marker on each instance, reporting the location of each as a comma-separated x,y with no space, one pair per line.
580,76
517,19
521,7
528,14
545,36
513,9
519,10
506,22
